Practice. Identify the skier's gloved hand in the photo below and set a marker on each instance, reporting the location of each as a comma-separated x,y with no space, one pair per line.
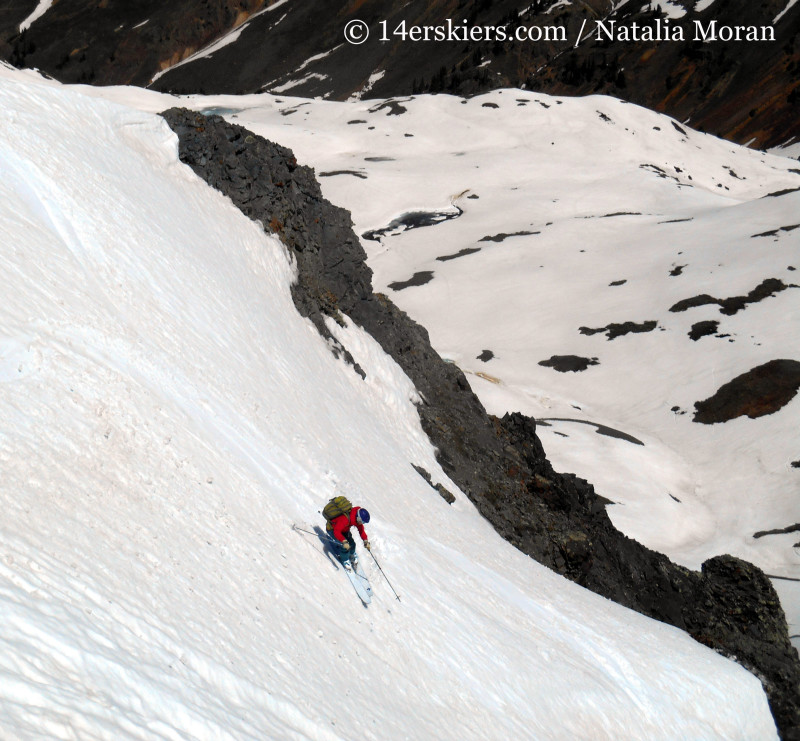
345,545
367,545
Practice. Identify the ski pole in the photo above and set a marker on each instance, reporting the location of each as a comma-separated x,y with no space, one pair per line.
303,530
384,575
329,539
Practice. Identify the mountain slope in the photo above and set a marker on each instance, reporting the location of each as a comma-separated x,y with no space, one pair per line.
690,522
103,40
168,414
746,91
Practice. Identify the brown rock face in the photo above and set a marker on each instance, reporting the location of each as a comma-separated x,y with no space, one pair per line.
113,42
763,390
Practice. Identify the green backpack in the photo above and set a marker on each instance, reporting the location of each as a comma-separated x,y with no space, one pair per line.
336,507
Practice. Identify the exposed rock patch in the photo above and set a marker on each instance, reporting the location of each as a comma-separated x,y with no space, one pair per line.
392,108
503,236
779,531
776,232
703,329
412,220
734,304
657,170
678,128
569,363
461,253
761,391
785,191
334,173
600,429
418,279
615,330
443,492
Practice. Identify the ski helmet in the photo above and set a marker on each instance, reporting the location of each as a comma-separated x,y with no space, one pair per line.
363,515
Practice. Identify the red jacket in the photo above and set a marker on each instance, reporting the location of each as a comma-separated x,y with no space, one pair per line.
343,523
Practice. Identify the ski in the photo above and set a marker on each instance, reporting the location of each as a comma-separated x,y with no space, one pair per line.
357,577
360,583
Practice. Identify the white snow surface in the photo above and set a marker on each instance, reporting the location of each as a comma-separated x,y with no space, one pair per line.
702,5
38,12
673,10
370,83
167,414
298,82
788,7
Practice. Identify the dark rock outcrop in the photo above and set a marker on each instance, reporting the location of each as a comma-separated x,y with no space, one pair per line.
568,363
599,429
703,329
762,390
778,531
620,329
498,463
442,490
266,183
732,305
418,279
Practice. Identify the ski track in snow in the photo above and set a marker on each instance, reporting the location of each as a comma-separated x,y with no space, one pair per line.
167,414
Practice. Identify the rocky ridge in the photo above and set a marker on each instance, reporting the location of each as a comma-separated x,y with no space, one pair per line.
499,464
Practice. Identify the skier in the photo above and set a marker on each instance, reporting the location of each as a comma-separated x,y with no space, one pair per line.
340,516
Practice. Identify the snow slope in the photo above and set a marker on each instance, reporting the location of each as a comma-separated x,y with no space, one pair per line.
38,12
229,37
583,213
166,415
